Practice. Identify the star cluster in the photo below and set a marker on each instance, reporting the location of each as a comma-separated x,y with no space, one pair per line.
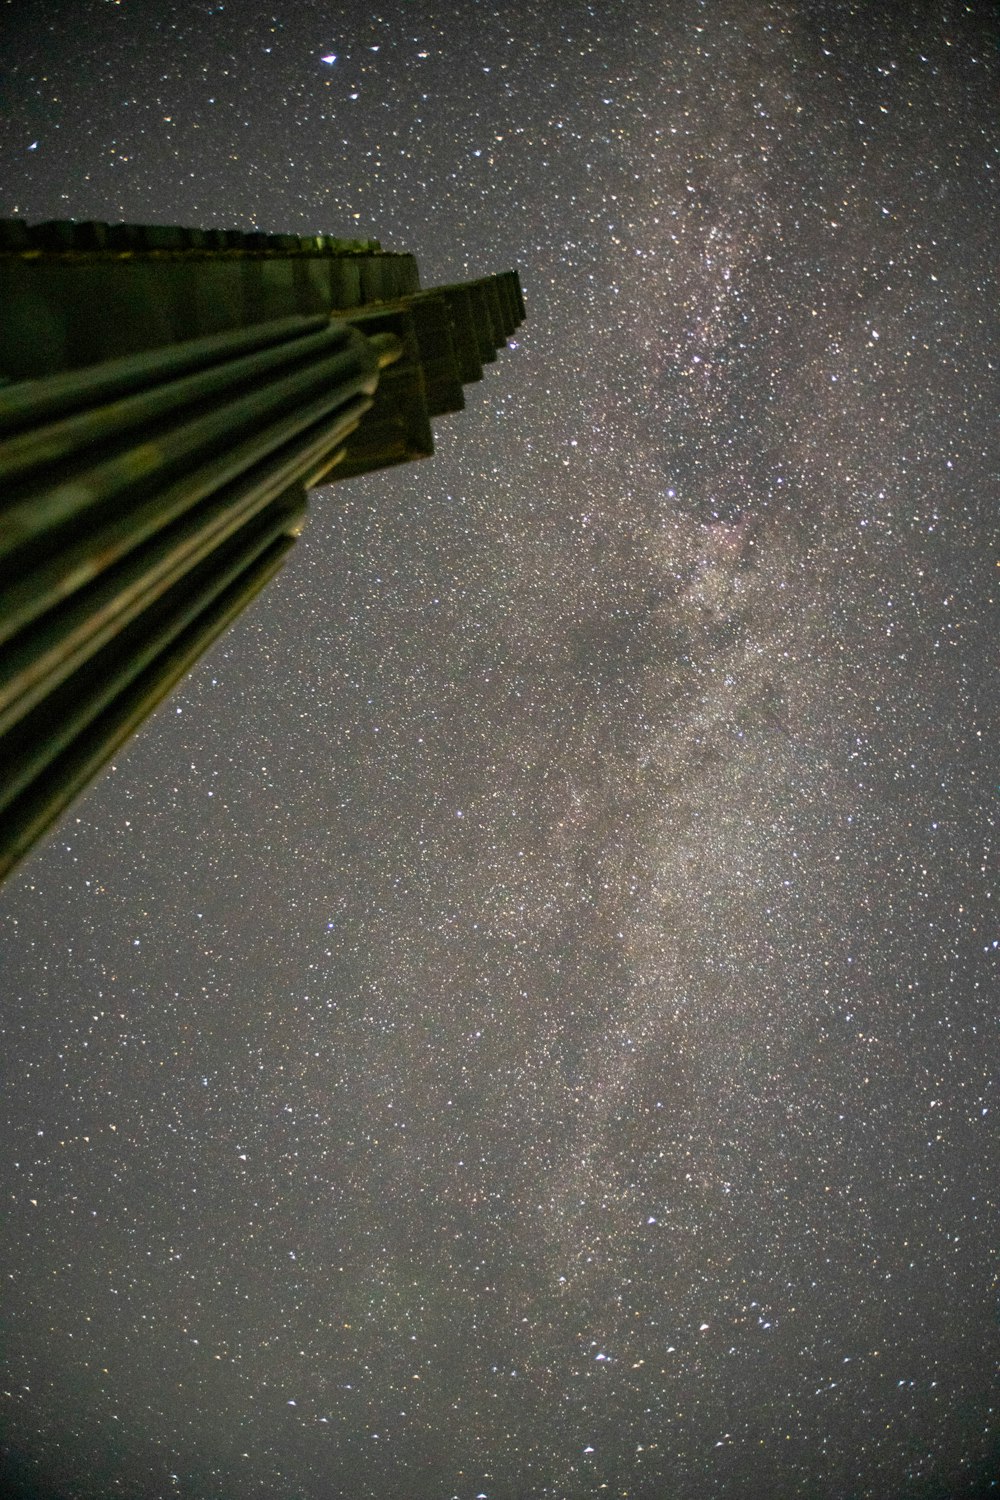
520,1020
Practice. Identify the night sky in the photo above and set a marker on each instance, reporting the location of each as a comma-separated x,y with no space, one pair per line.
521,1020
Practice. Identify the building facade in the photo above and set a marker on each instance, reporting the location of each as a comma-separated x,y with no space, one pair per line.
167,398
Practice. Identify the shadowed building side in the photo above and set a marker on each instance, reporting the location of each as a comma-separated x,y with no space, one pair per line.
168,397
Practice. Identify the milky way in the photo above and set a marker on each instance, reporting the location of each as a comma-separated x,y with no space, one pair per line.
521,1019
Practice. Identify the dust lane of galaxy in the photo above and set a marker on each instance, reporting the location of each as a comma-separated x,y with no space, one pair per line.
521,1020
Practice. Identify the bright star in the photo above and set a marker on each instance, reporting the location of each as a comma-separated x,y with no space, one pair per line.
330,58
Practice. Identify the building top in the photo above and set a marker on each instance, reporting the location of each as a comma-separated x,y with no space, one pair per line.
80,237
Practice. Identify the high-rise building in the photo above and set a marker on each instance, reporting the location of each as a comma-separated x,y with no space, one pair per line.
167,398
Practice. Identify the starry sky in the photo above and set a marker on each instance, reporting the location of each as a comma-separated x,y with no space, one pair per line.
520,1021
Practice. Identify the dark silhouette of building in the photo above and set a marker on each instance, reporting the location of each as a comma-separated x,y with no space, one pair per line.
167,398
